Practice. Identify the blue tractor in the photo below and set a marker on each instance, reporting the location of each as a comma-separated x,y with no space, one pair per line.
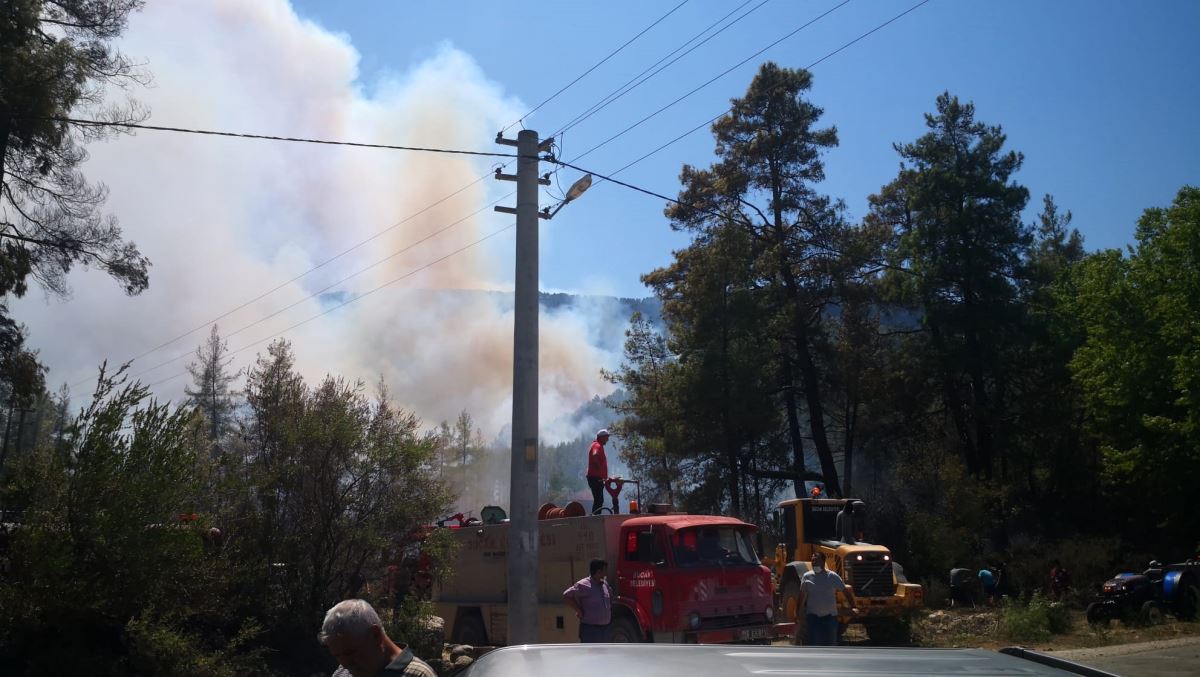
1146,597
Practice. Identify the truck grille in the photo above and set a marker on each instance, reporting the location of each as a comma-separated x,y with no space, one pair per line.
871,577
722,622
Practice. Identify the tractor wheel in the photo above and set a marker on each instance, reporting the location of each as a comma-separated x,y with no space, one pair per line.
1151,614
624,631
1188,605
790,609
1097,615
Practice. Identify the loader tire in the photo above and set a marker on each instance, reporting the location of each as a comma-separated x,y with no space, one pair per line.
889,631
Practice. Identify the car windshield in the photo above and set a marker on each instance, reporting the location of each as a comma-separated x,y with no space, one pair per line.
712,546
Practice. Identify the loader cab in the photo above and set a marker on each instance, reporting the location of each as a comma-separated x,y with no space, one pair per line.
806,524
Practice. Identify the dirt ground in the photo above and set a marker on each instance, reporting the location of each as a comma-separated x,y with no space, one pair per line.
981,628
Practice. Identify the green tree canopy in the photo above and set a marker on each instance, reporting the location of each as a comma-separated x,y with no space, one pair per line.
56,59
1139,366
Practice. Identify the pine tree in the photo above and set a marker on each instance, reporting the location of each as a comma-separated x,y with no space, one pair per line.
211,392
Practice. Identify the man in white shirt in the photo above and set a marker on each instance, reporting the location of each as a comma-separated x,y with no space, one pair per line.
818,598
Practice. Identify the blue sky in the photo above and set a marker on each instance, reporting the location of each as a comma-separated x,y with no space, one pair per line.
1101,97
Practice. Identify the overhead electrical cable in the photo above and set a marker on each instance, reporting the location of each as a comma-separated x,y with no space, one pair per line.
268,137
708,82
637,80
594,66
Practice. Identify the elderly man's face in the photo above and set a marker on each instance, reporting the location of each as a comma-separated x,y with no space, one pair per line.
362,655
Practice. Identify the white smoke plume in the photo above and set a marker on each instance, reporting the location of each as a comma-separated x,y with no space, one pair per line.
225,219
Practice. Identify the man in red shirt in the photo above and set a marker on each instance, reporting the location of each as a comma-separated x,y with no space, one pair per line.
597,472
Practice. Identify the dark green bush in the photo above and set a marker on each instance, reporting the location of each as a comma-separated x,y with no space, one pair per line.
1035,621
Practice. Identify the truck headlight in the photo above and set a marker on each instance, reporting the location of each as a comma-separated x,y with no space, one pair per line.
770,614
694,620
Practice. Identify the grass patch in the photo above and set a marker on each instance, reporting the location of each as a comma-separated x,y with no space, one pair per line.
1036,621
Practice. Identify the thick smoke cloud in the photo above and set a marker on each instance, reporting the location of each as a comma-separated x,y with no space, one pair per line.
225,219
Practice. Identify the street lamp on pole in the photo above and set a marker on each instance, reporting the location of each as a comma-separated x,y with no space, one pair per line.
578,188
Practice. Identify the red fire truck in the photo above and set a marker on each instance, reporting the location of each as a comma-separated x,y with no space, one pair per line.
676,578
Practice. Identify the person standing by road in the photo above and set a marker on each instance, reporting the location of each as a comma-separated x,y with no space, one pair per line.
1060,581
989,582
597,471
960,587
591,600
355,636
818,599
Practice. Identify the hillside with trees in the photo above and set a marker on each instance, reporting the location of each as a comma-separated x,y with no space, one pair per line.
956,357
994,391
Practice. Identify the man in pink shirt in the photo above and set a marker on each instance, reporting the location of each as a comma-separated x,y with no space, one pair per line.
597,472
591,600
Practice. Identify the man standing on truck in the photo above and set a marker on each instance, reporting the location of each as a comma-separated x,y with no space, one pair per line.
818,599
591,600
597,471
844,524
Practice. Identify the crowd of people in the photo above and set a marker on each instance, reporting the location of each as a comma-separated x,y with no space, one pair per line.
966,586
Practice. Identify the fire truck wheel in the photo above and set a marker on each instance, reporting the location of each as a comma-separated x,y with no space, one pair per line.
470,630
624,631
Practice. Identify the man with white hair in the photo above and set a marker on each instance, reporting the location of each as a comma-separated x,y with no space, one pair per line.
354,635
597,472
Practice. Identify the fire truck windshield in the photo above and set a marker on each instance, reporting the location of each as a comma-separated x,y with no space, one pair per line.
712,546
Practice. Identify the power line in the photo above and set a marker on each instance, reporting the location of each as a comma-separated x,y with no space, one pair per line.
352,300
637,80
864,35
727,71
710,121
347,278
719,215
646,191
639,189
594,66
268,137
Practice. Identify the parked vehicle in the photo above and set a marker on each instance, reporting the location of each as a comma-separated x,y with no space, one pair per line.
723,661
1146,597
675,578
812,525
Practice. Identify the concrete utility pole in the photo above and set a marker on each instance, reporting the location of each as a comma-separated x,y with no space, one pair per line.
523,486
